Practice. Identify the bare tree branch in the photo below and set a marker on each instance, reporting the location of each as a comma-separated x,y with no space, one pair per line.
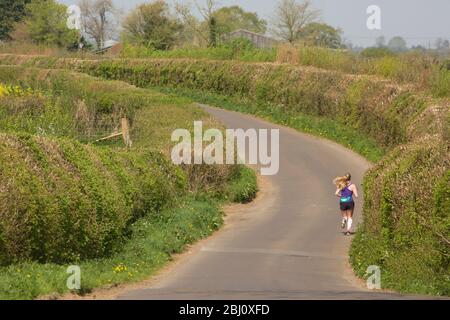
98,19
291,17
189,21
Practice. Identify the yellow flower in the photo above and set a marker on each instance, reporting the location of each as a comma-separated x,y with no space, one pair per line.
3,90
120,268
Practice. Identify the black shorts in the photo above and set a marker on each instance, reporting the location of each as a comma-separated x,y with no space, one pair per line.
345,206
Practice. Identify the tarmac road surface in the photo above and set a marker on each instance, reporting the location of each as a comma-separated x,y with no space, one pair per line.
289,245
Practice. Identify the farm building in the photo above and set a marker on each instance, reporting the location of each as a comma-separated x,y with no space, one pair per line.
259,40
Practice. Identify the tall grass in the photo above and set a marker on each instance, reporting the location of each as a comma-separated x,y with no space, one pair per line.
223,52
27,47
425,71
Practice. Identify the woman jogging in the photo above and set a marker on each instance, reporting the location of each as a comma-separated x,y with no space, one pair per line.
345,191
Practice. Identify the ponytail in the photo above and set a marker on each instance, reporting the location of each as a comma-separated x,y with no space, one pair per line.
341,182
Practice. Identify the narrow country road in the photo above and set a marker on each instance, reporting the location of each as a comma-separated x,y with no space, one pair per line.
289,244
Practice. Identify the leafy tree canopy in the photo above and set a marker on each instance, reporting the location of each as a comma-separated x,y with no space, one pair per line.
152,25
321,35
233,18
46,22
11,12
397,44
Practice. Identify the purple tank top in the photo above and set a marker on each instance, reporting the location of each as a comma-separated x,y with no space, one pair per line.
346,194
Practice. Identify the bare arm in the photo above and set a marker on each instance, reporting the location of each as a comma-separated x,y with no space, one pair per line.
355,190
338,193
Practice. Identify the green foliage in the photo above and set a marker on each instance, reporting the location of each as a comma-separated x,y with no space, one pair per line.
229,50
212,26
321,35
397,44
374,52
46,23
232,18
304,92
242,186
150,25
398,200
405,227
440,82
64,201
11,12
153,240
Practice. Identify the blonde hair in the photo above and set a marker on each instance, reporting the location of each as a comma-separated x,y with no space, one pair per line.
341,182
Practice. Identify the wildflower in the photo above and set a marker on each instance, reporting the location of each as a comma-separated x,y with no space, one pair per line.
3,90
119,268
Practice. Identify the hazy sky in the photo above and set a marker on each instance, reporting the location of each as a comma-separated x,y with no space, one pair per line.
418,21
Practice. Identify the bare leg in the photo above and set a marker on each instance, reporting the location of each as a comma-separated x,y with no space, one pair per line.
349,215
344,219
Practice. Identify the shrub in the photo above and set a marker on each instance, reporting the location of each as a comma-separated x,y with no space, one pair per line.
63,201
405,229
376,52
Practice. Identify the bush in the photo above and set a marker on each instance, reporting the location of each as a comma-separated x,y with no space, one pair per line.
405,227
62,201
376,53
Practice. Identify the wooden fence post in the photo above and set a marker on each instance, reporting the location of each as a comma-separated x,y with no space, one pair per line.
126,132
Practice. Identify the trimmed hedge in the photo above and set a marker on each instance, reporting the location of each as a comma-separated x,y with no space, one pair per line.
406,219
62,201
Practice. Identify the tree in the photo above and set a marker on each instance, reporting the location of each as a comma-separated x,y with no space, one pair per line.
397,44
205,29
233,18
192,29
321,35
380,42
441,44
46,22
152,25
291,17
212,24
207,11
98,19
11,12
